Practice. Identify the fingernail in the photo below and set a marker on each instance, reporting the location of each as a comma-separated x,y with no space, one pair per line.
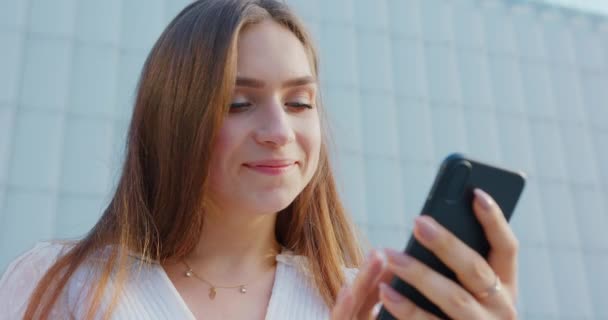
398,258
390,294
376,310
484,199
427,229
383,258
341,295
372,254
375,254
369,260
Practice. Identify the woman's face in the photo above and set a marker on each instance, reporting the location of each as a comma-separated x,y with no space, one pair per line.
268,147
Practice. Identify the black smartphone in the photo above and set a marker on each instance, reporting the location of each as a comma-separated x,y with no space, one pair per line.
450,202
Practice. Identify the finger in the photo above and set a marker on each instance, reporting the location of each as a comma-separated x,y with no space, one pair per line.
471,269
503,243
399,306
450,297
373,296
344,305
366,280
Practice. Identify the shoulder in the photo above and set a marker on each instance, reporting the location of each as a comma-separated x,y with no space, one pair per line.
33,263
23,274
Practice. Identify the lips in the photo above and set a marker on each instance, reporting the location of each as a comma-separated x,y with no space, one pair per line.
271,167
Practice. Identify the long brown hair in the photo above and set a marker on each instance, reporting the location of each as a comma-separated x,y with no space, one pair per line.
157,211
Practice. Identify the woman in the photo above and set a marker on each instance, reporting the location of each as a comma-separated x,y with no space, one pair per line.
227,207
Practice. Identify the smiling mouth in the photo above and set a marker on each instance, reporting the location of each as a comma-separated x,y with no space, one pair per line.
272,169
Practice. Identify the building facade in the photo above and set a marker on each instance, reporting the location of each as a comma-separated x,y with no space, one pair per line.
520,84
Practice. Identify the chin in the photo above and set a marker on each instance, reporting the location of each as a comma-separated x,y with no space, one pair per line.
272,203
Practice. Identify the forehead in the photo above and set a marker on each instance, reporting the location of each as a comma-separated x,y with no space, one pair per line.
269,51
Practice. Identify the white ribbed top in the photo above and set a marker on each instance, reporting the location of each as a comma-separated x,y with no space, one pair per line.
149,293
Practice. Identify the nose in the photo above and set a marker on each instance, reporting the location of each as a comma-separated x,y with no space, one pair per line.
275,128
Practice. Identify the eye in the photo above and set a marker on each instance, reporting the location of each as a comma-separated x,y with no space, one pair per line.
298,105
300,99
239,106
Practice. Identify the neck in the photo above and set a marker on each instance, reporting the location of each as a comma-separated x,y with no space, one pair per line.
234,244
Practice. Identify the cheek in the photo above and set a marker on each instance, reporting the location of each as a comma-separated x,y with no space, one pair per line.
224,148
313,142
316,144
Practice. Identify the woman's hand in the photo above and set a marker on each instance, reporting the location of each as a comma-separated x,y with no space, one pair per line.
488,290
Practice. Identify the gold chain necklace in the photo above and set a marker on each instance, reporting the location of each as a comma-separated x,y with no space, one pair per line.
212,288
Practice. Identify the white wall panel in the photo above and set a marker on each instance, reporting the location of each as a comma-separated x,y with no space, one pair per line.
404,83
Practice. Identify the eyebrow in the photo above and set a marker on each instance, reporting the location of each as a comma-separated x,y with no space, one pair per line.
255,83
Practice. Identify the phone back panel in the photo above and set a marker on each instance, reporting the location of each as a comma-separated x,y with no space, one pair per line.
450,203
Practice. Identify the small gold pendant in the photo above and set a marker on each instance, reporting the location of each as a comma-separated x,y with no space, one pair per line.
212,293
